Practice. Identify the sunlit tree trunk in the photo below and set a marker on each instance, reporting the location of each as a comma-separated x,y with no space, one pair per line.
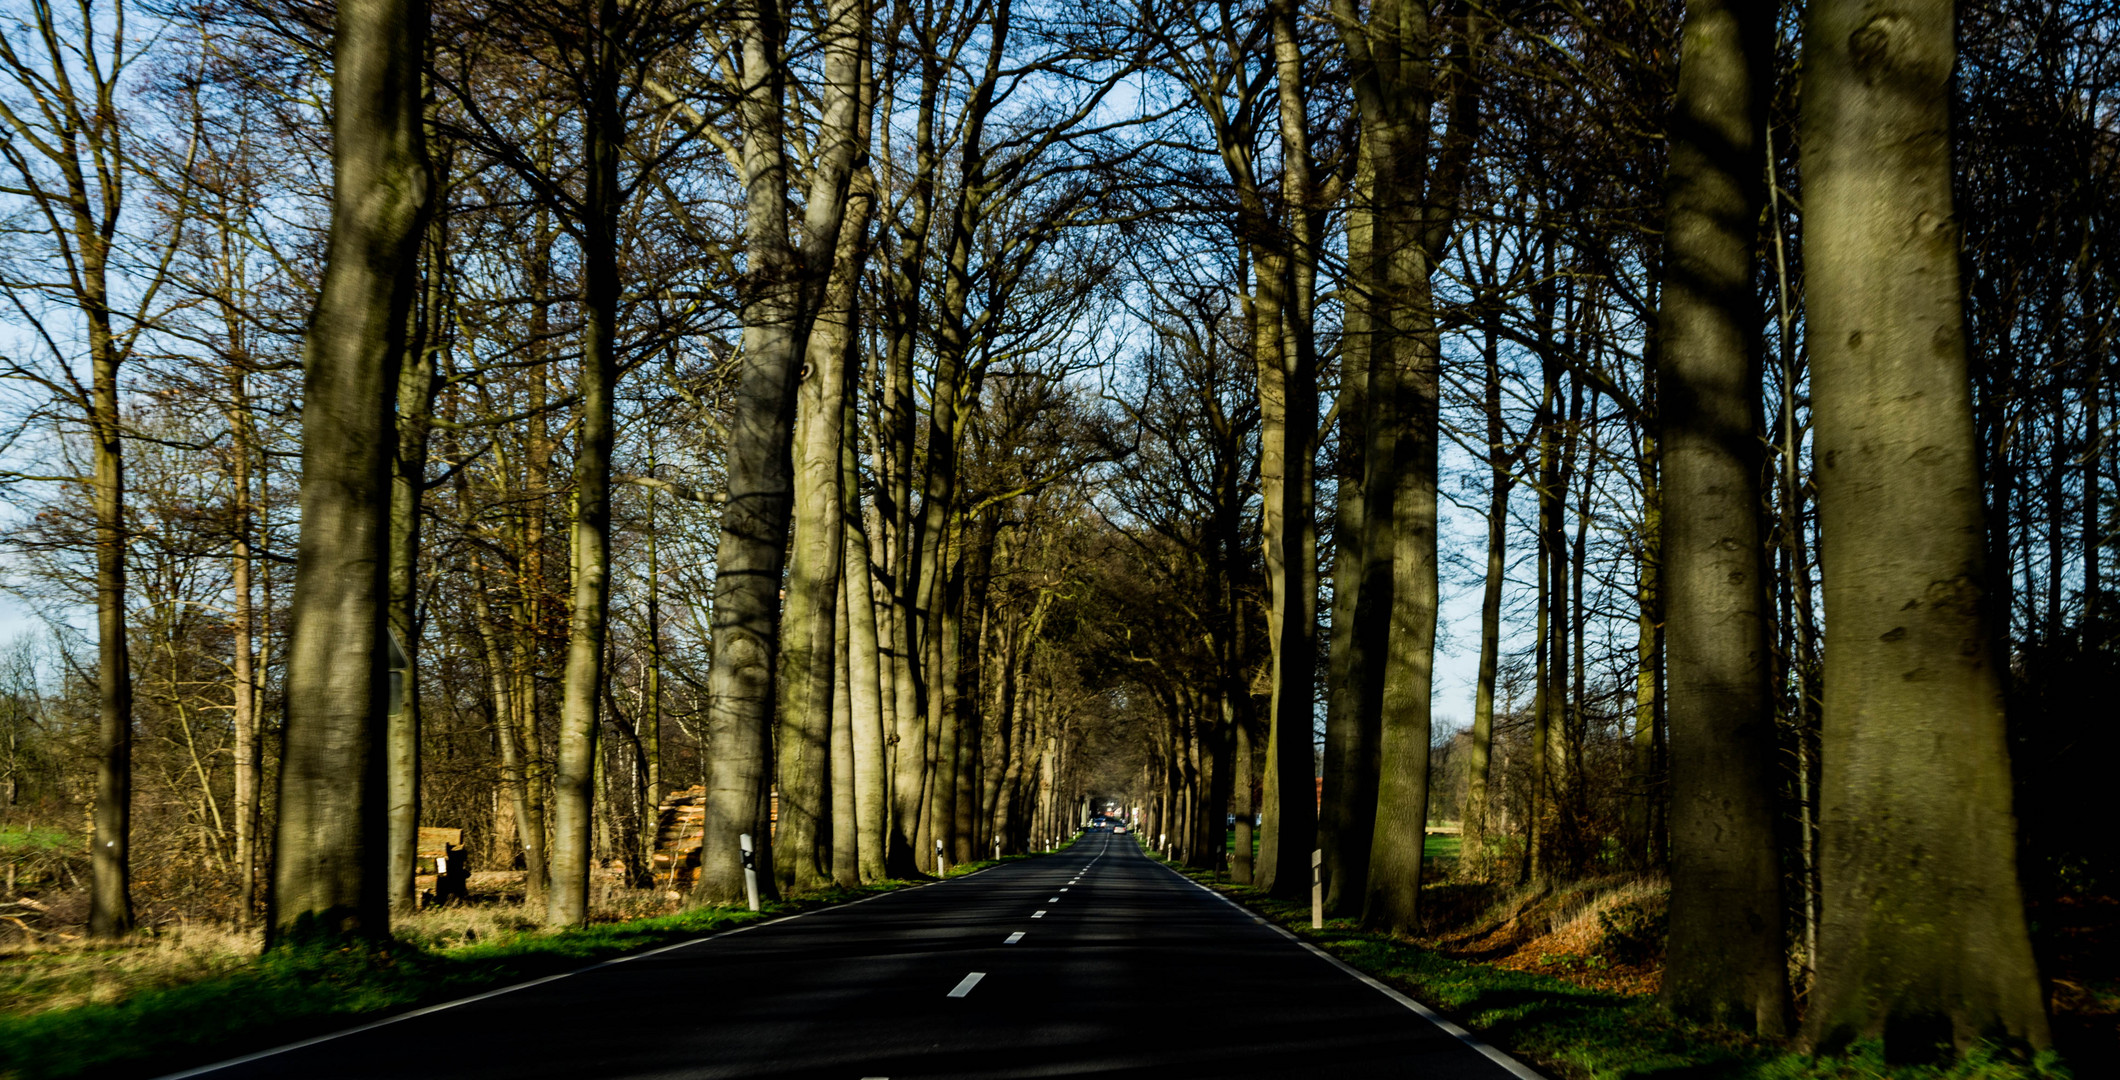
328,862
809,787
864,671
249,747
845,830
804,746
1286,288
589,603
1924,937
783,287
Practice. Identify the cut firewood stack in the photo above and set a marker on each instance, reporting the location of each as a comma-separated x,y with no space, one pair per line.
679,823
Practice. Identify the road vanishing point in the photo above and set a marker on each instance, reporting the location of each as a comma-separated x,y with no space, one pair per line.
1093,961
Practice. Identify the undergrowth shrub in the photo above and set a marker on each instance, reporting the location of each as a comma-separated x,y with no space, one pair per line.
1635,930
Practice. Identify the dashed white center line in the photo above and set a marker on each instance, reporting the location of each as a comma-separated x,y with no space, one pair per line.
965,987
1052,899
1037,914
1014,938
1063,889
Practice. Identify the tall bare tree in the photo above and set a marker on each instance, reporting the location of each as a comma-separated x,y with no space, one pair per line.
65,138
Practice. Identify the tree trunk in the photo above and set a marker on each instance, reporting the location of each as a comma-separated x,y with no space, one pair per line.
249,748
779,301
1538,855
809,631
1241,867
416,386
1347,818
846,829
1396,61
872,776
1392,897
1286,291
589,607
1924,937
328,864
507,732
1472,838
110,911
1725,963
1645,834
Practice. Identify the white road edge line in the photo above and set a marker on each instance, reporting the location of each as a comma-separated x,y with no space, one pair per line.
964,986
1014,938
1514,1067
204,1070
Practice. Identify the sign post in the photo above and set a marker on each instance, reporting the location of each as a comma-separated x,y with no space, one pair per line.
750,870
1317,889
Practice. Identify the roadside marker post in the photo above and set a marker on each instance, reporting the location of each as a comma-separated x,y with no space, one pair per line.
750,870
1317,888
941,868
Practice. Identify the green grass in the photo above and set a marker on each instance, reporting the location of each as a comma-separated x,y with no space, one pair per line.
297,992
1580,1034
19,838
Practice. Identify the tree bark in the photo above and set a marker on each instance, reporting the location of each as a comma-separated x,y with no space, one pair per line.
872,776
804,746
1924,936
779,300
1400,72
589,605
1286,291
809,787
1726,963
1347,818
249,748
329,868
416,386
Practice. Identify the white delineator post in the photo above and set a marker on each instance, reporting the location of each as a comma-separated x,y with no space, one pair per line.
941,868
1317,888
750,870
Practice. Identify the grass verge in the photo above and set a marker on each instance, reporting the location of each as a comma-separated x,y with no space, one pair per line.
222,1004
1568,1031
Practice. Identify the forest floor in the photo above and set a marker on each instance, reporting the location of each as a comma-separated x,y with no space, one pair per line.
187,994
1566,978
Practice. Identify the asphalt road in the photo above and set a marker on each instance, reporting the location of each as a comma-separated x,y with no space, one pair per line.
1092,961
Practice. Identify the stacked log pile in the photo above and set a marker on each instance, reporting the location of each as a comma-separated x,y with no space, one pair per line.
679,822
